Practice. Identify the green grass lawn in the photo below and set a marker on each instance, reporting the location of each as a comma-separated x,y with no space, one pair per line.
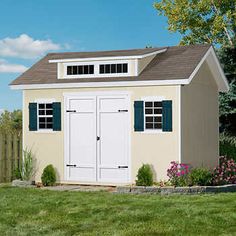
43,212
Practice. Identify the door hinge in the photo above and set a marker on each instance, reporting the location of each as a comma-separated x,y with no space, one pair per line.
71,165
122,110
122,167
70,110
98,138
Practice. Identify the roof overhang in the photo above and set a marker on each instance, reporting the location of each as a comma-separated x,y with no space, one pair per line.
108,58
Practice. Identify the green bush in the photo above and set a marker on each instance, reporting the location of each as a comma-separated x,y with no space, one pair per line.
144,176
200,176
49,176
27,170
228,146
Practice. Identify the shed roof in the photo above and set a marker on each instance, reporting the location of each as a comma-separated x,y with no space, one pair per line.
176,63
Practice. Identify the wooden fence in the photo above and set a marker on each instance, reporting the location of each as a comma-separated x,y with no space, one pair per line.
10,155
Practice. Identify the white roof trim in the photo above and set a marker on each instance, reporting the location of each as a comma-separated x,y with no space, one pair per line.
100,84
216,70
108,58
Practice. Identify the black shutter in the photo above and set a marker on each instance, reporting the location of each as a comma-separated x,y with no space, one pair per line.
33,117
167,116
56,106
138,116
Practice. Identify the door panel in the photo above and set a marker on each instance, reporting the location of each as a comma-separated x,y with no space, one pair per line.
82,139
113,144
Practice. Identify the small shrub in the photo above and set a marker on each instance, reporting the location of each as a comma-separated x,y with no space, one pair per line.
144,176
228,146
200,176
49,176
225,172
178,174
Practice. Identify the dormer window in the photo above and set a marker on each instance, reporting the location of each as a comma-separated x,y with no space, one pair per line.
80,70
113,68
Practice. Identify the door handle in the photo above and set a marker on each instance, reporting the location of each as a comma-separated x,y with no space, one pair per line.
122,110
71,165
122,167
70,110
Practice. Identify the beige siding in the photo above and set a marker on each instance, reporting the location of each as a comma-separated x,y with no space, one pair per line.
157,149
199,112
142,63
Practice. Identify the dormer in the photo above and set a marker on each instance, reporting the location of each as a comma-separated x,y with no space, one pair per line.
103,66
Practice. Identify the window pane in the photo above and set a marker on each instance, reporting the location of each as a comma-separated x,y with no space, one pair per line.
119,68
48,112
86,70
49,105
157,119
80,70
49,126
157,125
149,119
125,68
69,70
49,119
101,70
91,69
75,70
108,69
149,125
157,111
41,106
148,111
41,112
148,104
41,119
42,125
113,68
158,104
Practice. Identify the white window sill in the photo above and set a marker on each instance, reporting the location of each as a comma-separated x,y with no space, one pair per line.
46,131
153,132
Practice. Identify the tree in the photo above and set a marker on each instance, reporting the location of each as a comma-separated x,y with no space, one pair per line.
209,21
228,100
201,21
11,122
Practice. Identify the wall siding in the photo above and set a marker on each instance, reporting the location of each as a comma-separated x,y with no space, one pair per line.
200,124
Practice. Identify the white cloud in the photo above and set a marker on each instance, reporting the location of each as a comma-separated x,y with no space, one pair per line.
6,67
26,47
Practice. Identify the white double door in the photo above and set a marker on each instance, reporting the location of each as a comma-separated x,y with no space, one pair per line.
97,139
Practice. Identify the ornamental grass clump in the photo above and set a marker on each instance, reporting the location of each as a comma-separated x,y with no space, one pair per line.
178,174
225,172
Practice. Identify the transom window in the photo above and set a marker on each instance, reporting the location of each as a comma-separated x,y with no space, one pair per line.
80,70
153,115
113,68
45,115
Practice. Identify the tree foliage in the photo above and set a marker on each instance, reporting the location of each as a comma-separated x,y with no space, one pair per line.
209,21
201,21
11,121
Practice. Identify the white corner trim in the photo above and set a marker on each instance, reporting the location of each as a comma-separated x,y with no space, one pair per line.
108,58
180,123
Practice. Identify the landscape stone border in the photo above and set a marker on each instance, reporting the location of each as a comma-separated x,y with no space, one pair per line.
176,190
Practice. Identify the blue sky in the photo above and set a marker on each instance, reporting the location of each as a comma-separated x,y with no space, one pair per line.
31,28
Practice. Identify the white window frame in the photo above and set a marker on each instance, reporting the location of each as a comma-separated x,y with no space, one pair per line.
152,99
43,101
96,69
